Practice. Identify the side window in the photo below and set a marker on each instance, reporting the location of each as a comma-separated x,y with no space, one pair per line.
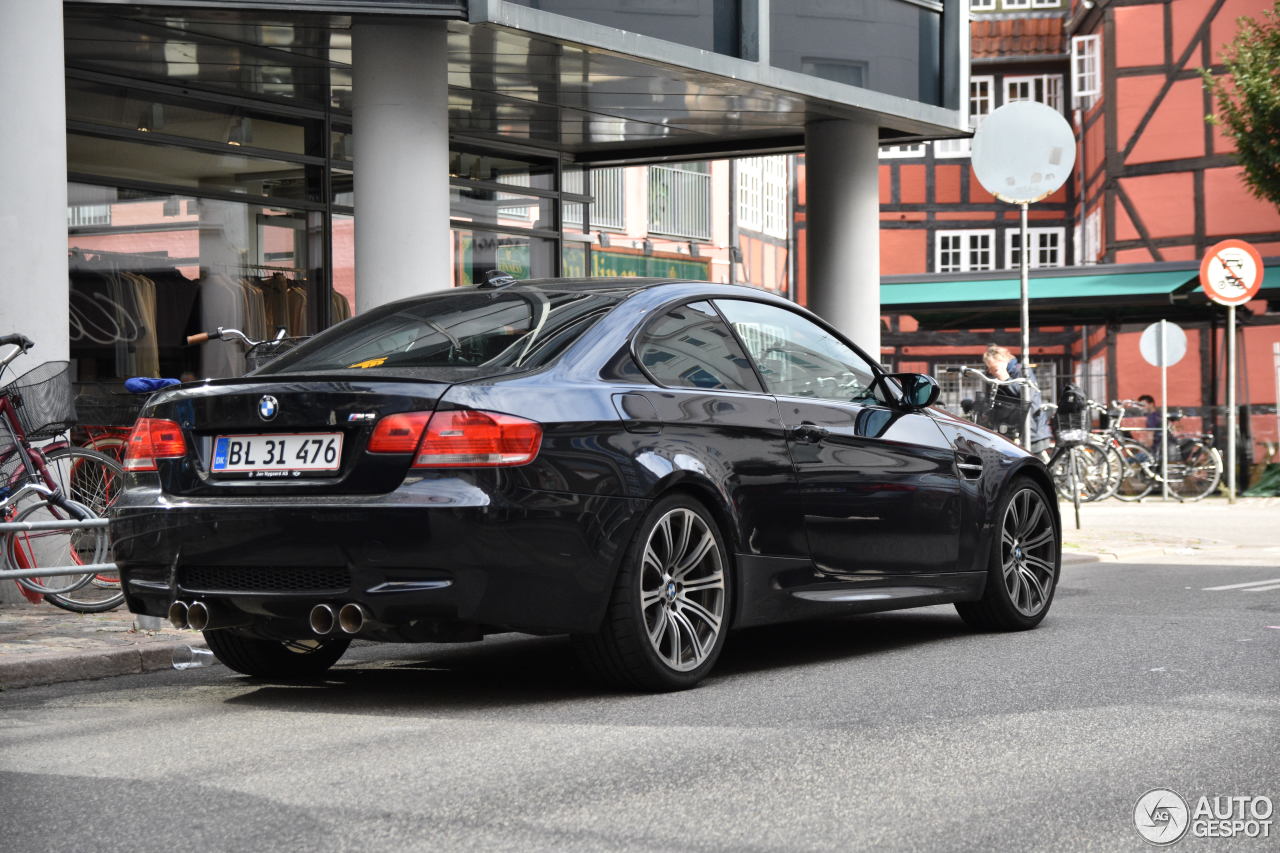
691,347
798,358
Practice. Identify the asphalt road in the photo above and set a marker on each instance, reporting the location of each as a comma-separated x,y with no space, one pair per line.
892,732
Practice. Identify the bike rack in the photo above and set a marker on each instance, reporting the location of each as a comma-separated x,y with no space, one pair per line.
55,571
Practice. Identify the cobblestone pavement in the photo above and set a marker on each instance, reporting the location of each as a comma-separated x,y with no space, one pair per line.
40,644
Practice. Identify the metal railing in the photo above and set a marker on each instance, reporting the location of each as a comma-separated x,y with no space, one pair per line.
81,215
680,202
55,571
608,189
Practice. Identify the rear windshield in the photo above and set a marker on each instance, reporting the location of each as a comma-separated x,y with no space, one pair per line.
501,331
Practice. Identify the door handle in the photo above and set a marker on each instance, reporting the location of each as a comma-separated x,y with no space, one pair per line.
809,433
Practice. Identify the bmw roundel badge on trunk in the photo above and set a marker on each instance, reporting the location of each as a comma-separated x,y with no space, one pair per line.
267,407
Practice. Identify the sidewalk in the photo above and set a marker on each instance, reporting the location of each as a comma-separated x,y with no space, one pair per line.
1211,530
40,644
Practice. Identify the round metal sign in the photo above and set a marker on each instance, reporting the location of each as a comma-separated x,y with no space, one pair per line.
1231,272
1175,344
1023,151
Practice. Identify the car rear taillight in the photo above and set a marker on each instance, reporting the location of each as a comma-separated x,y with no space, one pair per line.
470,438
399,433
152,439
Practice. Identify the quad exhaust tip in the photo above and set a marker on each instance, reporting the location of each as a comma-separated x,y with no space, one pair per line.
179,615
351,618
322,619
198,616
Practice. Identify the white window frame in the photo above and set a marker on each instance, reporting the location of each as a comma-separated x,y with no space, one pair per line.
776,192
1041,240
1016,4
1086,70
750,193
1045,88
1045,4
893,152
982,88
966,248
982,5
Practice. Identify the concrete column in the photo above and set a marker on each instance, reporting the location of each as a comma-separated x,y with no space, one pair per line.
843,219
33,180
400,113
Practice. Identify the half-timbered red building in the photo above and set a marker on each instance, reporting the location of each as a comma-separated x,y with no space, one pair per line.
1118,246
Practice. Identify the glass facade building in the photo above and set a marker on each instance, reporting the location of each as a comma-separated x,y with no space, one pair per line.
210,146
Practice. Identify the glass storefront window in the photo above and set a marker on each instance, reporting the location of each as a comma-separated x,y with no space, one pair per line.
118,107
477,252
188,168
890,46
146,270
490,207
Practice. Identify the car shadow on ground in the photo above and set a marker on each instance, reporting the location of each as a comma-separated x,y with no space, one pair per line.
517,670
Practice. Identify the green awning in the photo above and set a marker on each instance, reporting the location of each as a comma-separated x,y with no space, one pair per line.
895,295
1070,295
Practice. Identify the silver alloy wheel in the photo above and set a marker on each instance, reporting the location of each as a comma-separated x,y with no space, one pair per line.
682,592
1027,548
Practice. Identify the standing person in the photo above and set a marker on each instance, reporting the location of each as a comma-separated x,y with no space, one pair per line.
1150,410
1002,365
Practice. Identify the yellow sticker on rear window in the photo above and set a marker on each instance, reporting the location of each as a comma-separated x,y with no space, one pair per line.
370,362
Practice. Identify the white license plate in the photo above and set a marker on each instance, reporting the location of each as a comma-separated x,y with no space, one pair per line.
276,452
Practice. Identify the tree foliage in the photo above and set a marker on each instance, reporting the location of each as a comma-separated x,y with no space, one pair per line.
1249,101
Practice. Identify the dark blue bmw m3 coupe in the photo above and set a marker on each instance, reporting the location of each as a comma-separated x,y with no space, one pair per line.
641,464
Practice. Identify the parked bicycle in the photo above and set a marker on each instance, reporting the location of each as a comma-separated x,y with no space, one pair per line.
1194,468
1080,464
43,478
1080,468
1002,413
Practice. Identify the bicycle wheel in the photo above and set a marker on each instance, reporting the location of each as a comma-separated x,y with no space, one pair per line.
49,548
1092,474
1115,476
95,480
1198,473
1135,482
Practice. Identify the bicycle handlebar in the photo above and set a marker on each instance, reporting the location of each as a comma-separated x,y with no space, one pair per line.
220,333
988,379
21,341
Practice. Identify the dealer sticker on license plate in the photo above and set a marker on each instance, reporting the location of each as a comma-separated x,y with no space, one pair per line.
277,454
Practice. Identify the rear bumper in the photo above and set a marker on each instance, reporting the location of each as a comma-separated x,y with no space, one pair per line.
543,563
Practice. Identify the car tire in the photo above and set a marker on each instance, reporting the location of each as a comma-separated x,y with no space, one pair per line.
275,659
669,612
1024,564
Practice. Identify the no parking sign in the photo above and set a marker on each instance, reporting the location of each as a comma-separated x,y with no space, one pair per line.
1231,275
1231,272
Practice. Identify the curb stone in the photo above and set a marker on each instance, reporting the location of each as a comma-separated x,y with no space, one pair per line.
57,667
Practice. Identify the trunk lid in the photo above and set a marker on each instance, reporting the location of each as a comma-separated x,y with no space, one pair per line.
294,434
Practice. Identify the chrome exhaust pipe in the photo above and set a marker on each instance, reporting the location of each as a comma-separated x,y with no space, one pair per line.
322,619
351,618
178,615
198,616
202,616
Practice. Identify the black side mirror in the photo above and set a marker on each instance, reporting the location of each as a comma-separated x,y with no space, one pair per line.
918,390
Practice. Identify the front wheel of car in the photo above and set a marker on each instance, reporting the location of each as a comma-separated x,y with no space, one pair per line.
669,613
284,660
1024,563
